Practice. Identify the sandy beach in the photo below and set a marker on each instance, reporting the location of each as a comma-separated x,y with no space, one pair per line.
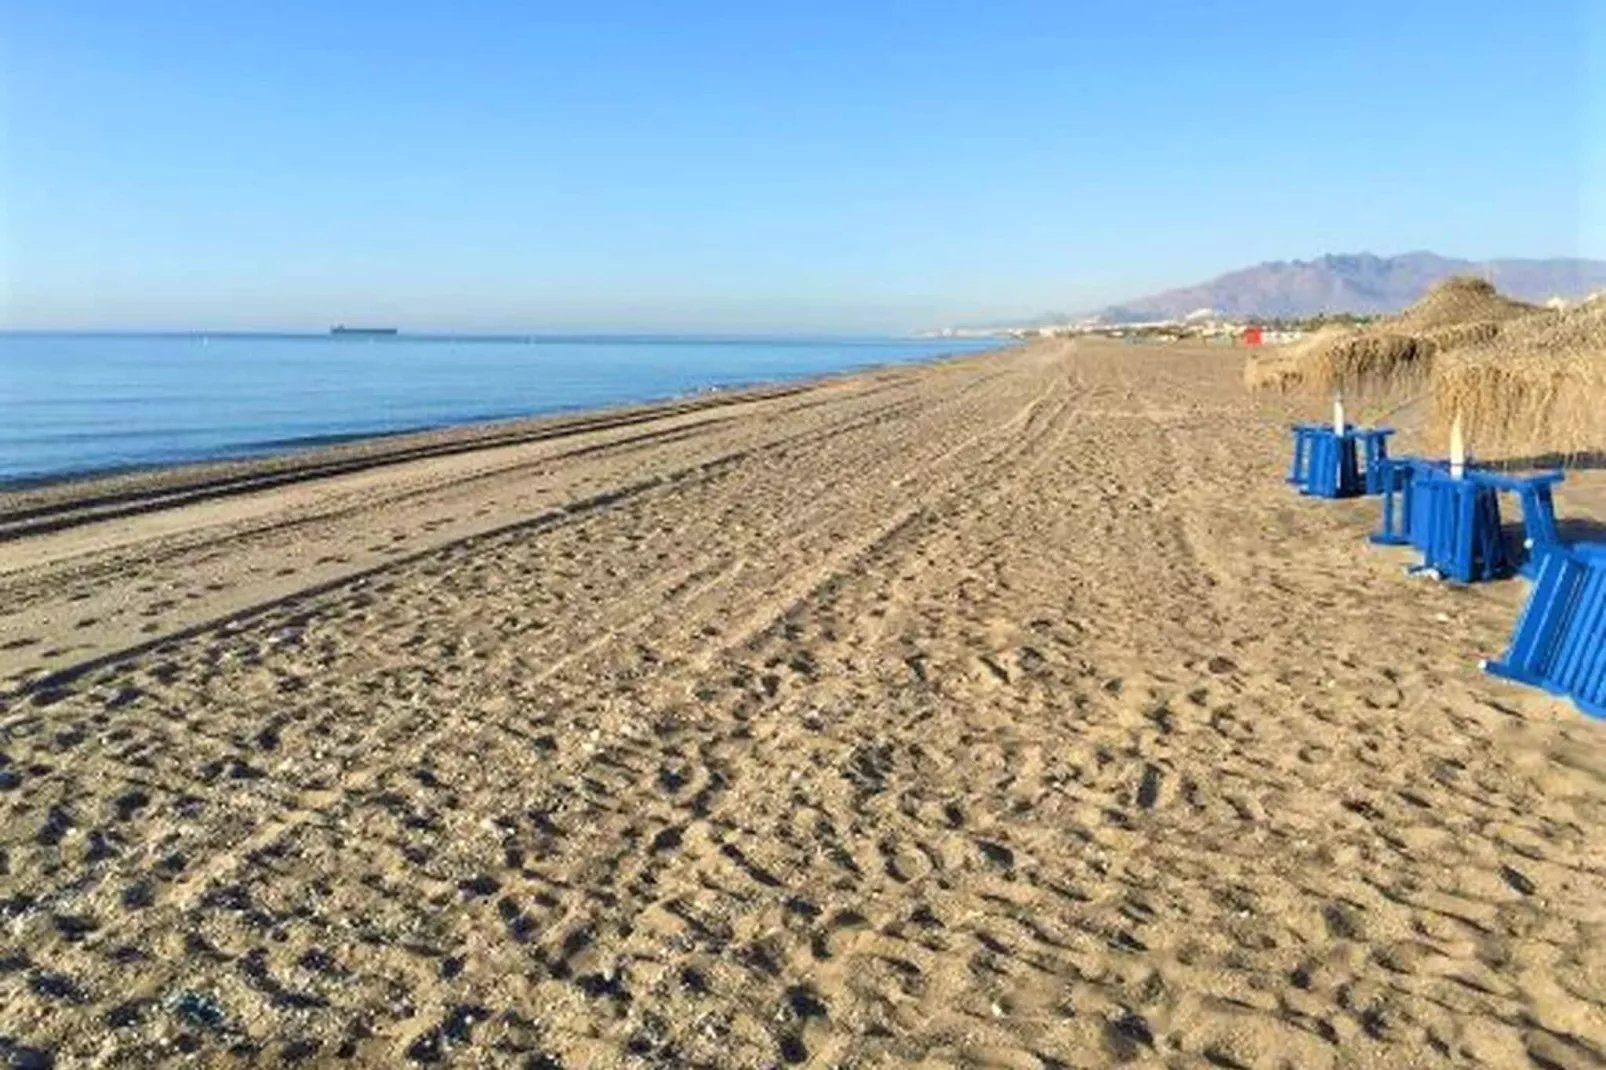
1008,711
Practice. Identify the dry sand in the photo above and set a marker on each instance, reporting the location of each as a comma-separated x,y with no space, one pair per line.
1006,712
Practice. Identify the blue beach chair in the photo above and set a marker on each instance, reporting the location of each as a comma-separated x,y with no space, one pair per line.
1559,643
1405,512
1456,523
1461,538
1533,493
1330,464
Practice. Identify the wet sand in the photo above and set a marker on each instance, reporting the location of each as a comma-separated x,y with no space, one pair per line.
1008,711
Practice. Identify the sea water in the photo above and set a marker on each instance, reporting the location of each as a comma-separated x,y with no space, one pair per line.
79,403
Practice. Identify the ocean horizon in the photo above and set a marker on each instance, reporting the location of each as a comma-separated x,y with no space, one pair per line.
76,403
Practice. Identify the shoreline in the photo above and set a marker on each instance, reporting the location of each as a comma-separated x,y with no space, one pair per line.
251,472
270,449
256,510
23,498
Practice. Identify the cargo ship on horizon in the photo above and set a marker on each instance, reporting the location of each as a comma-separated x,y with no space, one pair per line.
341,328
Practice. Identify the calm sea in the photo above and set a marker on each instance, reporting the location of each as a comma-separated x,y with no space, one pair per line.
72,404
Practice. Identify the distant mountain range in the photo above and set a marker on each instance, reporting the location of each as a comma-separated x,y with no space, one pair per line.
1361,283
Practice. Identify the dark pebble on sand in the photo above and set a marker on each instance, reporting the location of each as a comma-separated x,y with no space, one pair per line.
1517,881
198,1009
597,985
459,1024
1123,1036
299,1050
138,896
996,853
59,986
19,1056
793,1050
130,803
427,1049
16,905
804,1003
126,1014
58,821
317,960
74,927
239,770
100,848
803,908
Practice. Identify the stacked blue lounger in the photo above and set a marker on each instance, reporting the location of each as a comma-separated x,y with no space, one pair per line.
1560,640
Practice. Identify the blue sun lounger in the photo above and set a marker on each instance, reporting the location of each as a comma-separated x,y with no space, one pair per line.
1456,522
1560,640
1327,464
1405,512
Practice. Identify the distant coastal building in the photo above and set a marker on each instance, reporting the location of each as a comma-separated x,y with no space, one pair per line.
1202,324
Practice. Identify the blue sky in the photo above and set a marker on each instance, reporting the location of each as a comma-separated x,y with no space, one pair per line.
838,165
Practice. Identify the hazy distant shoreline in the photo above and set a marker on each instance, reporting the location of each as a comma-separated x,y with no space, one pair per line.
403,336
91,406
289,458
